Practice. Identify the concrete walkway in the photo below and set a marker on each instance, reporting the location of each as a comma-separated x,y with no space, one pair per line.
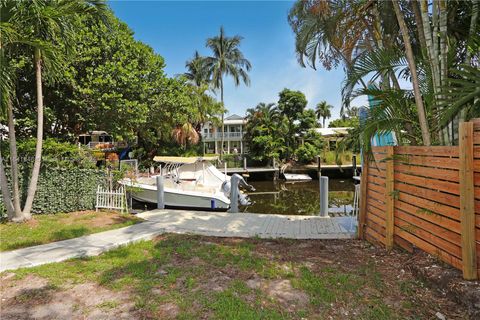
220,224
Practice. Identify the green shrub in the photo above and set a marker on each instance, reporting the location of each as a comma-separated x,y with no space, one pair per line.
307,152
61,189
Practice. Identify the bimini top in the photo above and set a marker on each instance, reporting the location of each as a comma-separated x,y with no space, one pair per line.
183,160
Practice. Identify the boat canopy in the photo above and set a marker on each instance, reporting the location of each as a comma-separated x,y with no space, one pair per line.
183,160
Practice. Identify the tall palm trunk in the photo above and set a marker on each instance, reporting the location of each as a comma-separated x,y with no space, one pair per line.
223,118
13,160
468,58
413,69
32,187
7,199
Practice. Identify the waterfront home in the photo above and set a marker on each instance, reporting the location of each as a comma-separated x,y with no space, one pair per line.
233,136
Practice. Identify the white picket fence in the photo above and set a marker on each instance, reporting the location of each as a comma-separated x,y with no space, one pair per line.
111,199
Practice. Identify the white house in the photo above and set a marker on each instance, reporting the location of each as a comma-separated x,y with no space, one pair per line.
233,136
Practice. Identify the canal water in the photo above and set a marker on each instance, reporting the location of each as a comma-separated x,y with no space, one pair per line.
300,198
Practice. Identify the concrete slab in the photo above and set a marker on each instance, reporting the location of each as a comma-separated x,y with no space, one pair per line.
218,224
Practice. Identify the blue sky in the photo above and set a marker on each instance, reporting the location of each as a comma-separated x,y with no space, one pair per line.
175,29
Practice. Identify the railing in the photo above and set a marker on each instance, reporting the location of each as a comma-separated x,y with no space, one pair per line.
227,135
106,145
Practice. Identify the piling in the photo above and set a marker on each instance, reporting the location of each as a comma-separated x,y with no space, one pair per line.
160,192
323,182
234,193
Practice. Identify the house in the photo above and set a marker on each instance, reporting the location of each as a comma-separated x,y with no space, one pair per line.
333,135
233,136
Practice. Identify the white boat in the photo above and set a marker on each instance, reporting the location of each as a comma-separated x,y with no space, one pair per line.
297,177
189,182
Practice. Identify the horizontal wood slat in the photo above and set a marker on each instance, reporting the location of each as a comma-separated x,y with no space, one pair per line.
446,186
444,233
445,198
428,161
428,151
476,137
429,248
435,173
437,219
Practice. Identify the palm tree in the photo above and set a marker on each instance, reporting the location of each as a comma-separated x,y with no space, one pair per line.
227,60
47,27
323,111
197,73
185,134
422,118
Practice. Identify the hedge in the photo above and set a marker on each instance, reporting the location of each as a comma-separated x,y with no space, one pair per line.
61,190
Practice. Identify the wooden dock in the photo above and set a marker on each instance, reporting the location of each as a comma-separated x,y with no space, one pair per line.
250,170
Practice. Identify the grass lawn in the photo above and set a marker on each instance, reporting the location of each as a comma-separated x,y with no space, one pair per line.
54,227
194,277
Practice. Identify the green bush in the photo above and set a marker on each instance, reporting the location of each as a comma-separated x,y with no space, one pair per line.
54,154
307,152
61,189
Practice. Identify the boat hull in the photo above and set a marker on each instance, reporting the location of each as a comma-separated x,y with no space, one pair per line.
182,200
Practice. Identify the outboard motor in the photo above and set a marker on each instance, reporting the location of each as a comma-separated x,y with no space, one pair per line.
242,198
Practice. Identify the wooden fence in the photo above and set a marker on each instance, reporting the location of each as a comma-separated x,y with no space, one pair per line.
426,198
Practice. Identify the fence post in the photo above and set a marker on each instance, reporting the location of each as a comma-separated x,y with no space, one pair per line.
389,199
362,214
467,204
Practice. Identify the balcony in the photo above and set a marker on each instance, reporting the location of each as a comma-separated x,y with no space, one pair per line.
218,136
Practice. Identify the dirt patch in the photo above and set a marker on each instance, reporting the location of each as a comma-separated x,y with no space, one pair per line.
168,311
96,219
282,291
447,280
33,298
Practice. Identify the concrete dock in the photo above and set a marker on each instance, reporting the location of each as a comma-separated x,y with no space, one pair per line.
218,224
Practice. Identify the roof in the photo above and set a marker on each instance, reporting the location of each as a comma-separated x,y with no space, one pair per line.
183,160
234,117
341,131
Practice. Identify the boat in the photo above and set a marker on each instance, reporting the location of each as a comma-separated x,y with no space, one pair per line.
189,183
296,177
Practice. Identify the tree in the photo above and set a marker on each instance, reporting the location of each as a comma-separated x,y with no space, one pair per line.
197,72
265,132
291,105
323,111
422,118
347,122
47,28
227,60
430,44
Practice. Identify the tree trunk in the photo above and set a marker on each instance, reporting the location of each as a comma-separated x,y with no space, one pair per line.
7,200
32,187
13,160
223,119
443,49
413,69
324,122
419,22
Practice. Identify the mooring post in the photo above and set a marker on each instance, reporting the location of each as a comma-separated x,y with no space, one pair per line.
234,190
319,167
354,165
160,192
323,182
